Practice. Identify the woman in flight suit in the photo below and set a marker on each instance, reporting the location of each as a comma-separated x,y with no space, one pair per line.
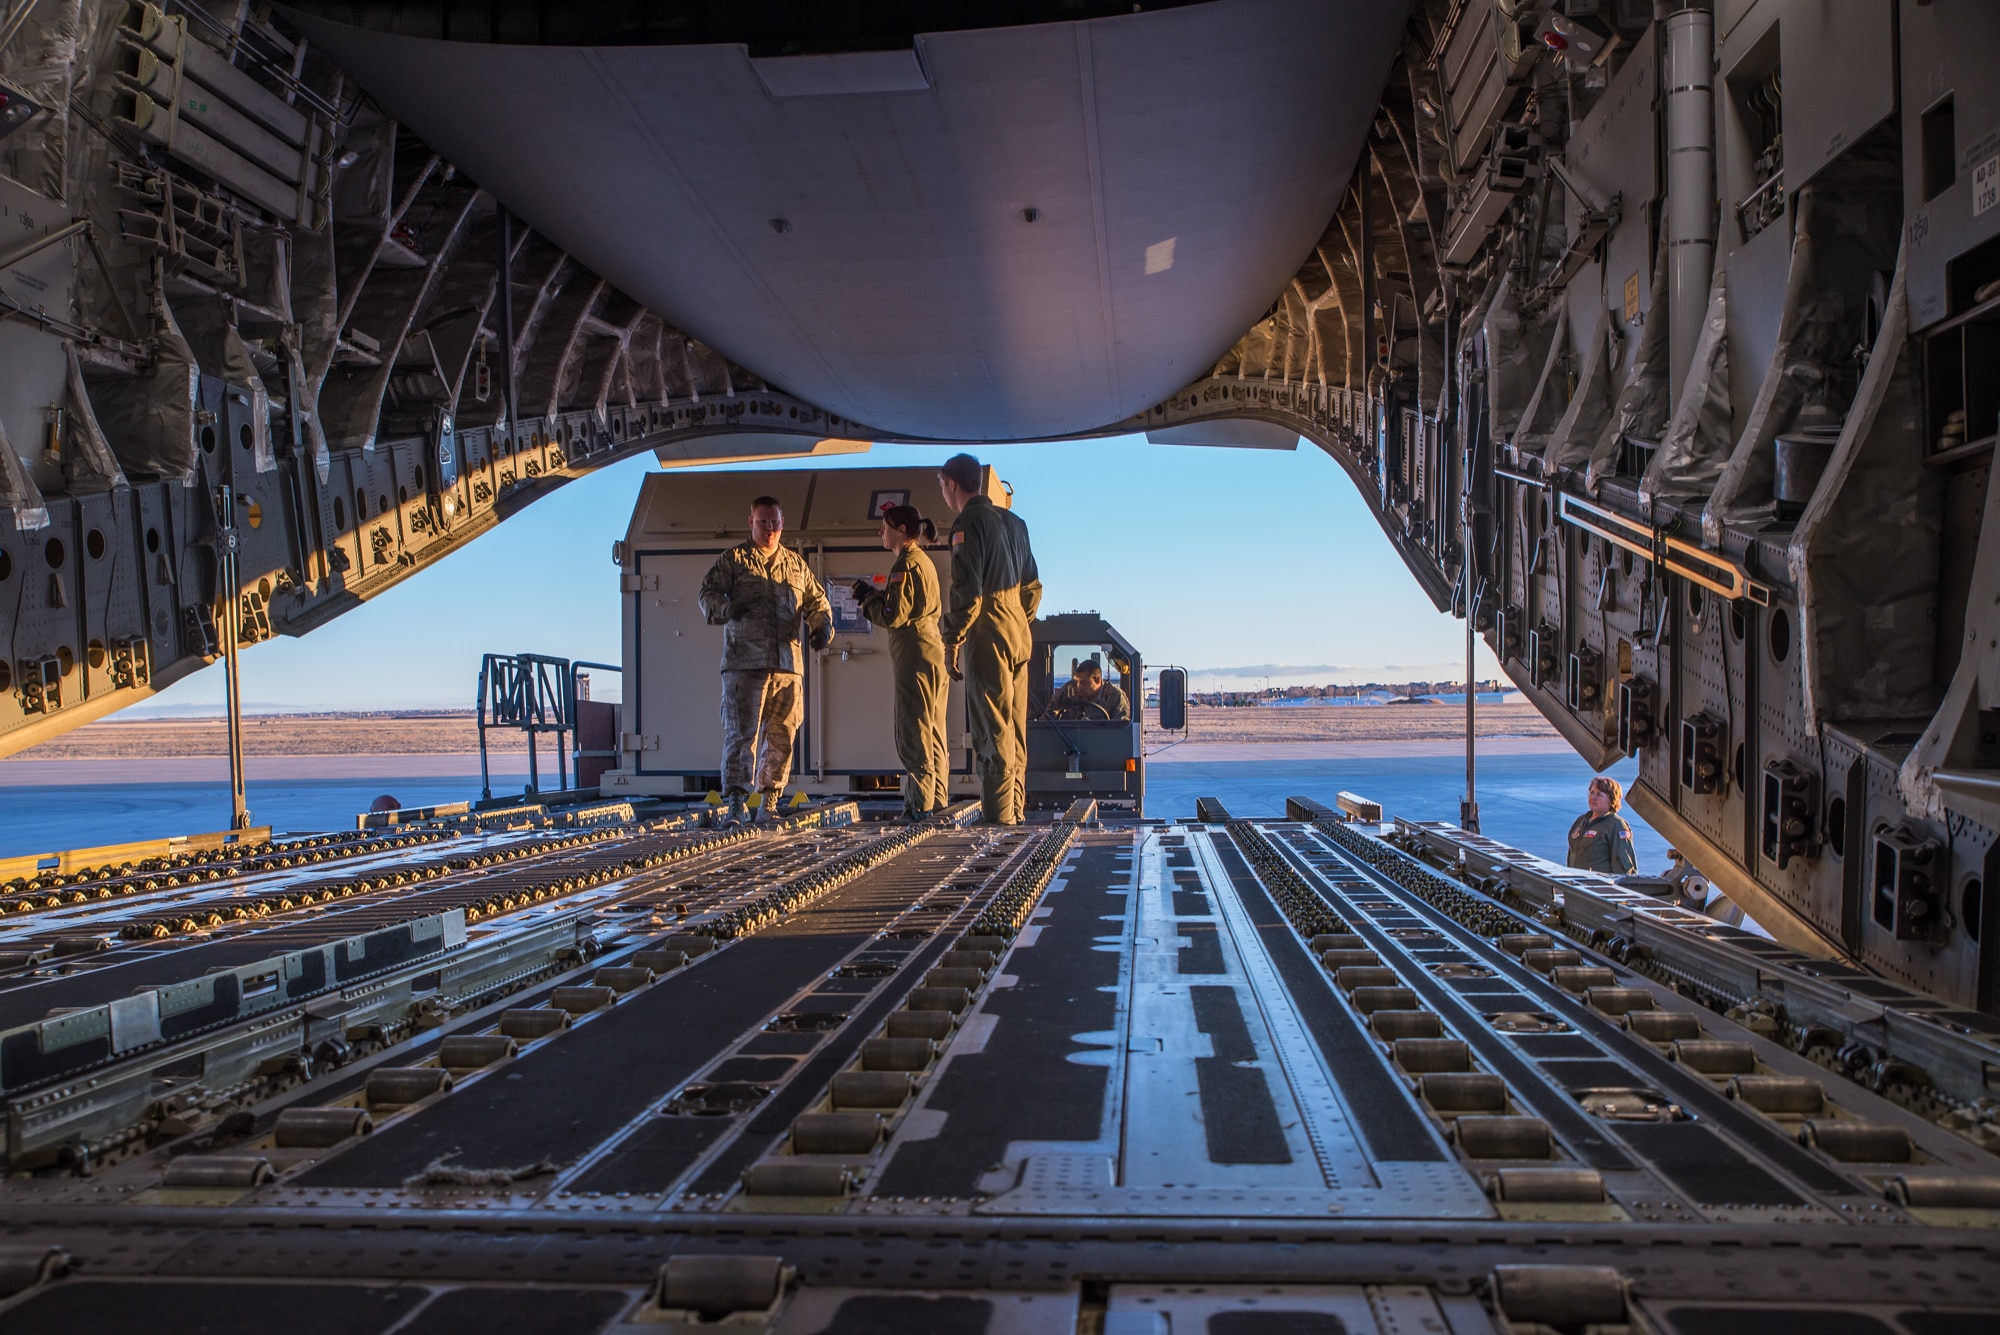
1600,840
907,606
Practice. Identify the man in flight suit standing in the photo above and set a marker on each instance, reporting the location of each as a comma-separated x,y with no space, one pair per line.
995,590
761,592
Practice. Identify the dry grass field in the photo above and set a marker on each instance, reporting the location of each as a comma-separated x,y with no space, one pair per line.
423,733
453,733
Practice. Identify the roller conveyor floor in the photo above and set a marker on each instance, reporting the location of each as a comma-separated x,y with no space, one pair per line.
1285,1074
102,976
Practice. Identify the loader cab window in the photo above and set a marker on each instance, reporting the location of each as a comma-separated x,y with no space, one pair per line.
1080,668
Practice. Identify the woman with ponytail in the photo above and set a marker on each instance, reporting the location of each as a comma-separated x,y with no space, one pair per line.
907,605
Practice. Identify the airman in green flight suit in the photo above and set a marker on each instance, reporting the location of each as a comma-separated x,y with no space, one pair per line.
995,591
907,605
1600,840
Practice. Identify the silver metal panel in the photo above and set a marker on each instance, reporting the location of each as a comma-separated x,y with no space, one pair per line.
1839,60
1758,271
1947,52
1614,151
1181,163
1729,13
35,369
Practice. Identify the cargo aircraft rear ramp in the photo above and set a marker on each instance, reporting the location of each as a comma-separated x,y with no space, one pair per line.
1660,338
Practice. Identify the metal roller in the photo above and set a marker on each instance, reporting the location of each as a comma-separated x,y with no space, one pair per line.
622,978
1368,1000
969,979
836,1133
1568,1297
870,1089
1358,976
1481,1137
1349,959
526,1022
1714,1056
1858,1142
720,1286
471,1052
982,960
218,1170
1326,941
993,945
396,1086
1778,1093
1618,1000
1662,1026
582,1000
1936,1191
689,944
26,1264
1463,1092
1418,1055
660,960
949,999
1541,961
1582,978
897,1054
1519,943
1567,1186
933,1025
1390,1025
781,1177
317,1128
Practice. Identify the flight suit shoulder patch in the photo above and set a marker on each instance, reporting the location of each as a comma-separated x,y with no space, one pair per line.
958,538
897,577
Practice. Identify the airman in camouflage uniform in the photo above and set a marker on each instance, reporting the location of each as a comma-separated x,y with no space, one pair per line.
995,591
1600,840
907,605
761,592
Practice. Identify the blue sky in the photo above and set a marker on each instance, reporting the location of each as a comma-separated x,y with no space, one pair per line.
1245,565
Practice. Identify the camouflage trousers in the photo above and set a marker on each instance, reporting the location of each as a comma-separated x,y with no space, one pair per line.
760,719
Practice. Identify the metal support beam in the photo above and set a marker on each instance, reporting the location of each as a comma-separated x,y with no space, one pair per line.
231,619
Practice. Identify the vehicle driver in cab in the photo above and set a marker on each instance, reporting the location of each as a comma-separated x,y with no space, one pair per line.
1087,697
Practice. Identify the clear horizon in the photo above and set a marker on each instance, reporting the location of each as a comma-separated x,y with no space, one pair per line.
1265,559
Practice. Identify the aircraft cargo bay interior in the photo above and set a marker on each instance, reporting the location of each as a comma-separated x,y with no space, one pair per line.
875,981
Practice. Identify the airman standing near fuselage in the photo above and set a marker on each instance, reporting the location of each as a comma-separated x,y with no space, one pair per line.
762,592
995,591
1600,840
907,605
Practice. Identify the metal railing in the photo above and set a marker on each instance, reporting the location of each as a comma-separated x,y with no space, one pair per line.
535,694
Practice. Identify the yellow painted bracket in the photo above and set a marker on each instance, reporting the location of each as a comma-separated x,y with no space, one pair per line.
1711,571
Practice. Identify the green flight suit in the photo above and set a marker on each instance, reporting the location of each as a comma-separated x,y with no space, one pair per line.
907,606
1602,844
995,591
